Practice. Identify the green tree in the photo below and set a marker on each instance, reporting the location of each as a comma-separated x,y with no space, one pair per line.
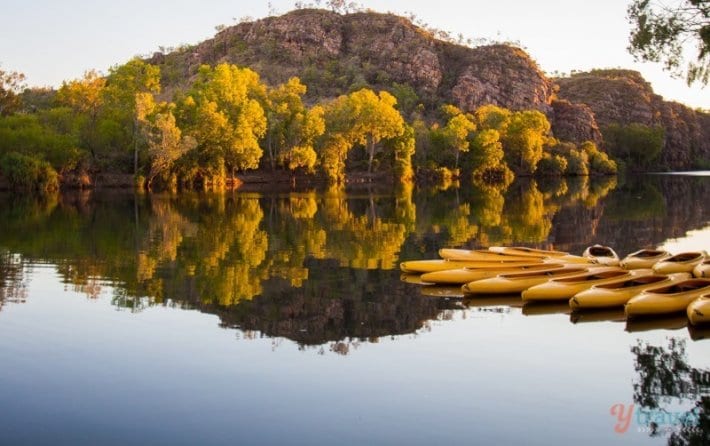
223,112
292,128
11,84
456,132
662,32
365,118
166,144
523,140
489,166
599,161
85,97
637,144
401,149
126,98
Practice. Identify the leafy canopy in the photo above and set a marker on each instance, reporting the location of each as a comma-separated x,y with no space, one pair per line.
664,30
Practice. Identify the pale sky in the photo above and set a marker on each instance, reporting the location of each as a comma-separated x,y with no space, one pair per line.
51,41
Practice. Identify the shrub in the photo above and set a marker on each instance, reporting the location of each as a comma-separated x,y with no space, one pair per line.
28,173
637,144
551,165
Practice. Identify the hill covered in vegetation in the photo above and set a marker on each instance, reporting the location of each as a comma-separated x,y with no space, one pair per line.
321,93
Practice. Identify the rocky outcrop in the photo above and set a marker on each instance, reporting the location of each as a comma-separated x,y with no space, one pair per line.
334,54
501,75
574,122
624,97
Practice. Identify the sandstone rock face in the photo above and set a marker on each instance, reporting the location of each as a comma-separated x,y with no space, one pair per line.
574,122
333,52
624,97
503,76
300,34
404,52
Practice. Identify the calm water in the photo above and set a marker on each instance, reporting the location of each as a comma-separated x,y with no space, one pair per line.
246,318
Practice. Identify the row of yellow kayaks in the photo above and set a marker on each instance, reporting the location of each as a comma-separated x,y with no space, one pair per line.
646,282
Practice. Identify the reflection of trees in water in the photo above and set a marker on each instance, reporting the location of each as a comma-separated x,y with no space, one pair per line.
664,378
13,288
641,212
218,251
521,212
337,305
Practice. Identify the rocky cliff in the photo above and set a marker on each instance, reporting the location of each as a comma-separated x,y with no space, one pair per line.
624,97
334,54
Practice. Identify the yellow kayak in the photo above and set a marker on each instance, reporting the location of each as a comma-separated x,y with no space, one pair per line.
513,283
482,255
667,299
680,263
702,269
602,255
644,258
618,292
699,310
566,287
428,266
526,252
465,275
413,278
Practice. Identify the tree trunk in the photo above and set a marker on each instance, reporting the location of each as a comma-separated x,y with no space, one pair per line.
135,149
271,154
371,151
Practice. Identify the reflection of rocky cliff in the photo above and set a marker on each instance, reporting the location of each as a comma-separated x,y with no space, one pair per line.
335,304
643,212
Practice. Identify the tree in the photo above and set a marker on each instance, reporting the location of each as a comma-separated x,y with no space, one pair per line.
85,97
637,144
365,118
523,141
11,83
456,132
165,142
662,31
292,128
223,112
126,97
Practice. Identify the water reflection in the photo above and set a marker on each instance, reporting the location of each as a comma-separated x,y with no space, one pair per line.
671,395
320,267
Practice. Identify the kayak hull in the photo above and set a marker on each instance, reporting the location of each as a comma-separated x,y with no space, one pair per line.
515,283
616,294
680,263
602,255
702,269
465,275
644,258
482,255
428,266
667,299
699,310
566,288
526,252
